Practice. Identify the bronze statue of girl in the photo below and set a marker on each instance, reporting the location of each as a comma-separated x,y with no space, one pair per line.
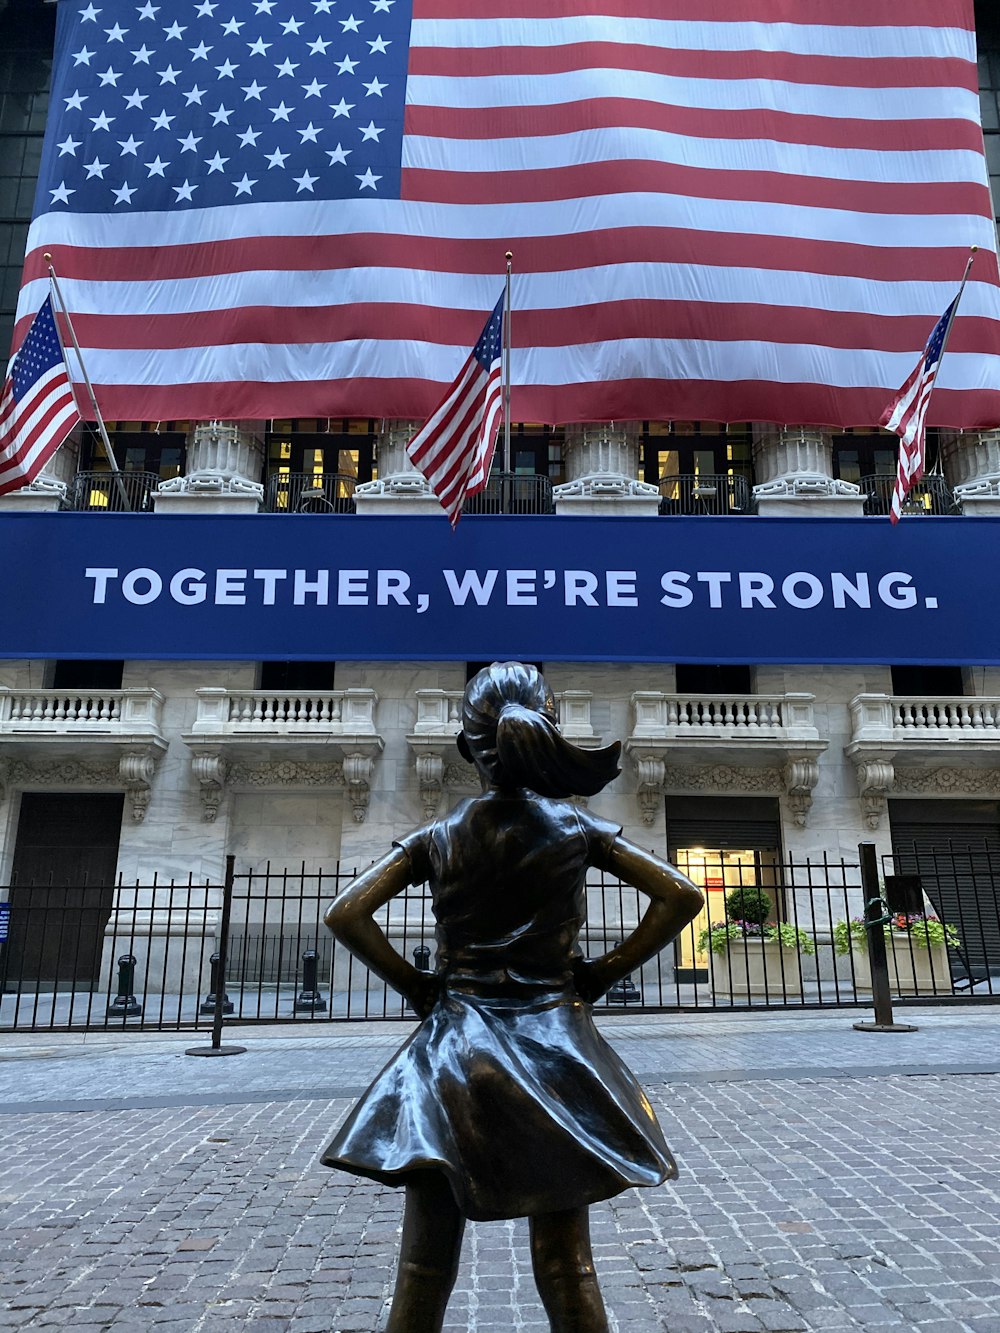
506,1102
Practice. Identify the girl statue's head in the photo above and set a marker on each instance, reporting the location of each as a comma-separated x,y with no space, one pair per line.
509,732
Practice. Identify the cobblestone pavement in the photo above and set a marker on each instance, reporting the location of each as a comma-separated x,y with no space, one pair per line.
830,1180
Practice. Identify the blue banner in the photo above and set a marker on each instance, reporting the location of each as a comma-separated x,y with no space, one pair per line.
542,589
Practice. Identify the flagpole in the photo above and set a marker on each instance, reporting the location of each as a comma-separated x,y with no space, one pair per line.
506,367
938,470
102,429
973,251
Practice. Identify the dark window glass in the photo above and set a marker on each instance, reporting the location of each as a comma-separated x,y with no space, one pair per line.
85,674
283,677
927,681
707,678
27,32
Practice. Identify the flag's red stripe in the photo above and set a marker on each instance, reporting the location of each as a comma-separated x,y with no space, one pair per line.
784,66
610,400
535,254
849,13
527,122
535,328
55,407
599,178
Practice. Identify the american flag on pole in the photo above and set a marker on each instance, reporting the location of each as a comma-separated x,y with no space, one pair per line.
906,415
454,449
722,209
38,409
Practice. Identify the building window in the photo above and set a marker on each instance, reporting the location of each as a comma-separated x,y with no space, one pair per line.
697,678
988,34
289,677
156,447
85,674
696,449
928,682
27,32
318,447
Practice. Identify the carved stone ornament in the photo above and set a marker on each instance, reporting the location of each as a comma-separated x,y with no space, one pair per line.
284,773
725,777
134,771
876,779
357,777
210,771
948,781
430,776
801,776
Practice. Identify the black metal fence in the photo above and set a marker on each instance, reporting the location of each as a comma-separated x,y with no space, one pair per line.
141,955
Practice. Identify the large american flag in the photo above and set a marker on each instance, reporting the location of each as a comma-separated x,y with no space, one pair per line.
718,209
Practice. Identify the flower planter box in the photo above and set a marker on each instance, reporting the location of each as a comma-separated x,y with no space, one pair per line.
756,967
912,971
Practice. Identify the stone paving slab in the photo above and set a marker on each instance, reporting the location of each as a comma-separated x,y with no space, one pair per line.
810,1198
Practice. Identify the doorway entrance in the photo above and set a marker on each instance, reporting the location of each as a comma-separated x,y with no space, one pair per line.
721,844
62,888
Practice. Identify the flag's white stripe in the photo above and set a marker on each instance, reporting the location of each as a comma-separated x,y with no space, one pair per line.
531,291
507,222
22,461
645,145
809,39
797,99
670,359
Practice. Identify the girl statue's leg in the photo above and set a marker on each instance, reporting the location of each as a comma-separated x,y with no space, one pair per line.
428,1255
564,1272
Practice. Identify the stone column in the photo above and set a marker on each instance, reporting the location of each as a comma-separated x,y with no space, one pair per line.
401,488
224,463
602,470
53,485
972,466
794,468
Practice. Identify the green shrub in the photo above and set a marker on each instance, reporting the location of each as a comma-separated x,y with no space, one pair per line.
748,903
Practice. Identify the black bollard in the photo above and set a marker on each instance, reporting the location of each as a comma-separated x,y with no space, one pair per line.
876,917
125,1005
214,985
309,997
624,991
422,958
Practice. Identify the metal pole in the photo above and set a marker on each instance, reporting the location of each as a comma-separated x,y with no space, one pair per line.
101,428
506,366
217,1047
875,916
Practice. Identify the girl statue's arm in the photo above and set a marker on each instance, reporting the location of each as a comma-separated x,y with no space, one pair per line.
351,919
675,902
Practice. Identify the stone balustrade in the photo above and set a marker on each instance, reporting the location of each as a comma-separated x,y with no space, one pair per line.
234,713
664,716
911,746
92,739
748,744
250,739
72,712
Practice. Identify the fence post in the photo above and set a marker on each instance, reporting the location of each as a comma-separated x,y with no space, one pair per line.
309,997
875,918
217,1047
216,983
125,1005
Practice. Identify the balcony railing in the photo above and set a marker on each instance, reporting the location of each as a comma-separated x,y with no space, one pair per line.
79,712
674,716
707,493
512,493
113,492
930,497
310,493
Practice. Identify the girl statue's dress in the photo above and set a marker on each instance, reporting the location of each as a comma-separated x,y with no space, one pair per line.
506,1101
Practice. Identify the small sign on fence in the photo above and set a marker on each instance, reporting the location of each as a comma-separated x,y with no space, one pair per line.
4,921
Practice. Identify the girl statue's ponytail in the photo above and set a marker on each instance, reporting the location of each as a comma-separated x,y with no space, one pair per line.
509,731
